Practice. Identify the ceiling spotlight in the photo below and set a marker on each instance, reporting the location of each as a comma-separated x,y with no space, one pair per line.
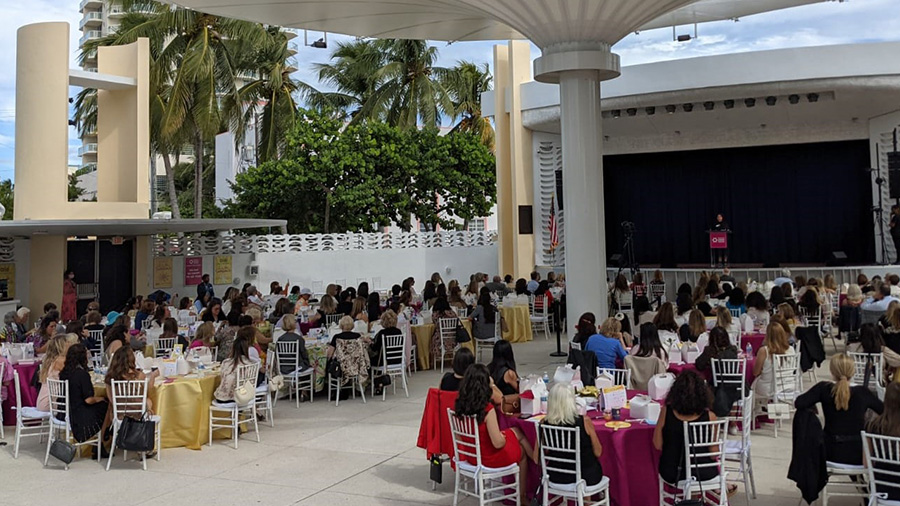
688,107
709,105
794,99
729,104
631,111
616,113
749,102
670,109
770,101
650,110
812,97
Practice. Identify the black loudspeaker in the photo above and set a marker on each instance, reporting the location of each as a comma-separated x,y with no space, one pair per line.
526,221
894,173
771,265
615,260
838,259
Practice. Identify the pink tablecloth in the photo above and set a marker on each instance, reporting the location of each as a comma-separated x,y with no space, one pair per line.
29,393
628,459
755,340
677,369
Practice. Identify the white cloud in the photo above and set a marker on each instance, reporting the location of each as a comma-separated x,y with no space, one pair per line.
7,141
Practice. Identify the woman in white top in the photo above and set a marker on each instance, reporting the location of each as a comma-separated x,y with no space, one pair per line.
775,343
665,323
758,310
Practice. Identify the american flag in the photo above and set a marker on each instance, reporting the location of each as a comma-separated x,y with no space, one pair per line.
554,234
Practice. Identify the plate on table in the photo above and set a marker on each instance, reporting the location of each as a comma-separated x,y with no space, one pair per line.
616,425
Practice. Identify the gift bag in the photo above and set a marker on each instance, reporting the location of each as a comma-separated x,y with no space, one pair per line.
604,380
675,355
690,353
659,385
564,374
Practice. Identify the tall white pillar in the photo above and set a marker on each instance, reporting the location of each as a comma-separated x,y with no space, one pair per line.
585,236
579,69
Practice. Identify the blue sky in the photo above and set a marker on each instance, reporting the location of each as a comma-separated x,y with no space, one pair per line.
820,24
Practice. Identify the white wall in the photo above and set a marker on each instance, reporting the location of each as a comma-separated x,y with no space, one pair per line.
239,265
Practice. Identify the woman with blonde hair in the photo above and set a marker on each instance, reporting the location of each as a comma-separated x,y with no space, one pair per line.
790,316
358,311
51,365
775,343
694,331
724,320
562,412
845,409
327,306
608,345
854,296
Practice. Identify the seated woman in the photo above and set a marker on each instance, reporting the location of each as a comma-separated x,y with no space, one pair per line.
638,288
87,412
455,299
146,313
388,328
522,287
283,306
689,400
45,331
159,317
736,300
471,295
683,307
484,317
758,309
607,344
775,343
327,307
809,301
498,448
461,362
440,310
373,307
117,337
585,328
428,292
503,368
888,424
651,346
289,324
203,336
621,289
854,296
122,367
720,348
562,412
790,316
543,289
695,330
731,325
224,336
346,333
845,409
665,322
872,341
358,310
701,302
643,313
53,362
238,356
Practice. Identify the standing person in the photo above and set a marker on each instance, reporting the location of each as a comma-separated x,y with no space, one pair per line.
205,288
720,225
895,230
70,297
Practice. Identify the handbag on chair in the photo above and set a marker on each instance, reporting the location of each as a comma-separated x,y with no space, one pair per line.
137,435
462,335
245,394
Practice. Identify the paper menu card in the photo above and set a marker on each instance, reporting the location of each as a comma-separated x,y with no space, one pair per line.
614,397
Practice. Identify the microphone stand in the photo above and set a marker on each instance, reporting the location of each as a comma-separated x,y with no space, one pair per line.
558,323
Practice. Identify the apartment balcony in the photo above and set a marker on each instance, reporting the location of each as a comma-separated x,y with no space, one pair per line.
90,35
116,11
90,4
88,149
88,167
90,55
91,19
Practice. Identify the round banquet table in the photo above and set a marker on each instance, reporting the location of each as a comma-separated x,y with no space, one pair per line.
423,335
629,459
518,323
183,406
25,371
755,340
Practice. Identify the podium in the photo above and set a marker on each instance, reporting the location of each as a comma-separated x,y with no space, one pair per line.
718,246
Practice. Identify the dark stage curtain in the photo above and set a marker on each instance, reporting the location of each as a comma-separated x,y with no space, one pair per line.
787,204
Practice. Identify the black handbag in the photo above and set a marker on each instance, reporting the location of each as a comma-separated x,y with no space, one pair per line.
691,501
63,451
435,470
136,435
333,368
462,335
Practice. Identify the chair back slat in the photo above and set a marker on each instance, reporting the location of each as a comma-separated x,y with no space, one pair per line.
729,372
448,327
883,455
560,451
465,437
59,400
333,318
97,337
786,375
248,372
700,438
393,351
460,311
657,290
862,361
620,376
129,398
288,354
164,346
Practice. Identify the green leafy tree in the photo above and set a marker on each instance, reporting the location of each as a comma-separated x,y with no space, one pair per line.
75,191
6,198
465,83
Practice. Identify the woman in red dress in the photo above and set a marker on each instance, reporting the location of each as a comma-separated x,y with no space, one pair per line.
70,297
498,448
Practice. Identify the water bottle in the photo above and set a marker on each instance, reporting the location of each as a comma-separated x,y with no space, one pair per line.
546,379
749,350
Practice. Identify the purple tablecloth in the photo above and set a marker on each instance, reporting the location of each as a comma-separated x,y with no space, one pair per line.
629,459
677,369
755,341
29,393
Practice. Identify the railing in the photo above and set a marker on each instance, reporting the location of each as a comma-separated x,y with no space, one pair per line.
90,35
87,149
232,244
85,3
91,17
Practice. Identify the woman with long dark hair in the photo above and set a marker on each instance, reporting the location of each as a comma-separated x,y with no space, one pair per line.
650,345
736,300
585,328
665,322
429,292
122,367
484,316
373,306
87,412
522,287
498,448
503,368
239,355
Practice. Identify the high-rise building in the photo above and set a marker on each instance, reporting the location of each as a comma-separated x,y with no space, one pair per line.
98,18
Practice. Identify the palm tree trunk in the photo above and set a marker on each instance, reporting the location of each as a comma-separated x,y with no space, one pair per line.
327,210
170,185
198,175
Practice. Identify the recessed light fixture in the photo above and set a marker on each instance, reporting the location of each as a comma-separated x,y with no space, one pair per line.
616,113
770,100
709,105
729,104
749,102
650,110
794,99
812,97
688,107
631,111
670,109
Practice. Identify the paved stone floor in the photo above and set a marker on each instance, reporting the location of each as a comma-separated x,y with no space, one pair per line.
354,454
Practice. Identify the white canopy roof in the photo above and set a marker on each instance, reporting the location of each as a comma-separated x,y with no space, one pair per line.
544,22
28,228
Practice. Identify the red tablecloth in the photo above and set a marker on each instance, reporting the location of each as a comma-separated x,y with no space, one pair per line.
755,340
628,459
29,393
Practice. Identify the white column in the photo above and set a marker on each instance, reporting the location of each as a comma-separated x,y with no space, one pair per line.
585,234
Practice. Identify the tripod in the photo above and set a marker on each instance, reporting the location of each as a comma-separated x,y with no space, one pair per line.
879,210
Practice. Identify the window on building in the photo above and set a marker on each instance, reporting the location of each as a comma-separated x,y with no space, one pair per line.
476,225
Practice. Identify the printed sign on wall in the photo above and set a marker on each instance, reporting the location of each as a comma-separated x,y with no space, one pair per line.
162,272
222,270
193,270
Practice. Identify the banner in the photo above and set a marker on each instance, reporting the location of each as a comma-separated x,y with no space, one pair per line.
193,270
222,270
162,272
8,272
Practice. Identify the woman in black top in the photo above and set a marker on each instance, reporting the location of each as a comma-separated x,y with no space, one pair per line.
720,347
388,328
522,287
503,368
373,306
363,290
461,362
585,328
689,400
888,424
87,412
561,412
346,325
845,410
345,306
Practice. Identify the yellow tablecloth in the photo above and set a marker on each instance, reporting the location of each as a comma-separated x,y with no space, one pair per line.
518,322
183,406
423,335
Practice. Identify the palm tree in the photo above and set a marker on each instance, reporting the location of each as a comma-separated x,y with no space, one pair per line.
352,76
465,83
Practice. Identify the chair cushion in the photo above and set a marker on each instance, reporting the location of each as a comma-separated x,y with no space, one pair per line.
571,487
32,412
844,467
223,405
465,466
734,446
264,388
60,423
